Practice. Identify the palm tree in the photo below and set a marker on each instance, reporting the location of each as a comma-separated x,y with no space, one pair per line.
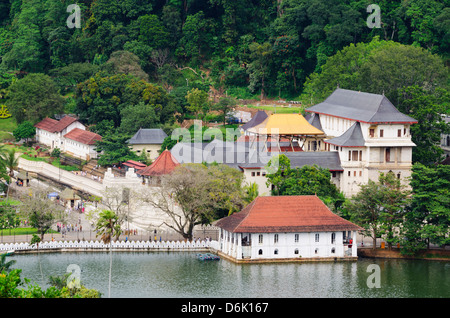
108,226
9,160
4,265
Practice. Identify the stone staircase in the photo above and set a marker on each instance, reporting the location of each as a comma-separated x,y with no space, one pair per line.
92,169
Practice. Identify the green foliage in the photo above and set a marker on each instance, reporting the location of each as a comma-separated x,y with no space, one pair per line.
428,219
307,180
33,98
25,131
379,207
115,150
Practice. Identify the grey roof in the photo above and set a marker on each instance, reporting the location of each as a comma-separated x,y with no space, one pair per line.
314,120
360,106
259,117
353,137
325,159
238,155
148,136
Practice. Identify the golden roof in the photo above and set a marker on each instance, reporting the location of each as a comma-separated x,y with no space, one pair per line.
285,124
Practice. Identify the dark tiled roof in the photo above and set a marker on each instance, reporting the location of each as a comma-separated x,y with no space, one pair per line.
277,214
360,106
148,136
259,117
324,159
353,137
315,121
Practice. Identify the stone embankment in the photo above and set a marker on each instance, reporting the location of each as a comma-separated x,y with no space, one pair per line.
430,254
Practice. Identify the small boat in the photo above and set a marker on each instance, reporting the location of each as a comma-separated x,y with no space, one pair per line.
8,253
208,257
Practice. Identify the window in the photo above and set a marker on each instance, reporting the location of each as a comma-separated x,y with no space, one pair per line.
275,238
333,238
296,237
253,174
354,155
388,155
317,237
316,251
260,238
260,252
399,133
360,173
258,173
349,173
296,251
381,133
371,132
275,251
333,250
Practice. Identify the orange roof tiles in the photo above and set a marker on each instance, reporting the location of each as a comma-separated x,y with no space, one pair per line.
83,136
279,214
164,164
53,125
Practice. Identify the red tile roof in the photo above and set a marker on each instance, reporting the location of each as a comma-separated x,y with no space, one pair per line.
134,164
53,125
47,124
83,136
164,164
278,214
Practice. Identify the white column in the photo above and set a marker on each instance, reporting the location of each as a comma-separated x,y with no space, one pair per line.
354,245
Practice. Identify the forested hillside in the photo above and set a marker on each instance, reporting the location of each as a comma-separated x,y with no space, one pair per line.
134,57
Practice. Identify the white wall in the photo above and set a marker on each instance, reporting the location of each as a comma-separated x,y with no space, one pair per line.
286,245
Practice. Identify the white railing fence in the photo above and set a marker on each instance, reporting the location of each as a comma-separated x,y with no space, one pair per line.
131,245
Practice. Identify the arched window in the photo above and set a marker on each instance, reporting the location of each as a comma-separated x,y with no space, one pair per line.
275,251
260,252
333,250
316,251
296,251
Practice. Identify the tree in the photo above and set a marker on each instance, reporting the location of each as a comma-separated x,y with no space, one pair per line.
114,149
198,101
108,227
379,208
11,162
25,130
307,180
225,106
137,116
195,194
427,107
259,68
33,98
427,219
41,212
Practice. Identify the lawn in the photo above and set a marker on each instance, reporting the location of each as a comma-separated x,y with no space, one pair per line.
7,126
279,109
22,231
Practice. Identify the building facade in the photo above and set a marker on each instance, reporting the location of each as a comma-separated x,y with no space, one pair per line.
286,228
370,135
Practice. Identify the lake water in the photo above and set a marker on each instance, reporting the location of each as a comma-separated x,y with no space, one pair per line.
182,275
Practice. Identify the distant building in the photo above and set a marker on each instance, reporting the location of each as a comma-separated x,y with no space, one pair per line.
286,228
50,132
445,139
368,132
163,165
81,143
148,141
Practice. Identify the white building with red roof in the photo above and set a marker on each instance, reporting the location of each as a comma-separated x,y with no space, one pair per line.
50,132
287,228
69,135
81,143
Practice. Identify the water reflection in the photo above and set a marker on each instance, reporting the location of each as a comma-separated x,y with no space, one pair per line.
180,274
